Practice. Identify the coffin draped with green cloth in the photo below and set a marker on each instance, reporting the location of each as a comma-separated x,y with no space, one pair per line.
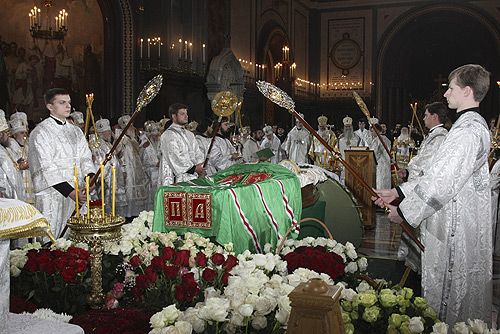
248,205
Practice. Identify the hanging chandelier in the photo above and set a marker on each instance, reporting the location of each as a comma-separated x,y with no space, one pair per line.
42,25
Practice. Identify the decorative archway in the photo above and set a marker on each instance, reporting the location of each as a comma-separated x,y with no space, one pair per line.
432,37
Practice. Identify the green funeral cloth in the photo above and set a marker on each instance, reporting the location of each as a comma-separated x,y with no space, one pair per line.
246,204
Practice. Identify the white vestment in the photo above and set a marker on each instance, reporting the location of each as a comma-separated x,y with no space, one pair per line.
495,190
180,153
274,145
250,148
10,178
220,156
151,165
55,149
457,262
364,135
297,145
135,177
17,152
420,163
418,166
383,170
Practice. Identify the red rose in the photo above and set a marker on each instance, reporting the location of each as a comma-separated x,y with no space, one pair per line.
135,261
80,266
218,259
201,259
231,261
68,275
182,258
46,264
171,272
150,275
180,293
141,281
157,263
188,279
209,275
31,265
225,278
168,253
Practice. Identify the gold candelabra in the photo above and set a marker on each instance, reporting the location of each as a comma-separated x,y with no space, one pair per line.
95,229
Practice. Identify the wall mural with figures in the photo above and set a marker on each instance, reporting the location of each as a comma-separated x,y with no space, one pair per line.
66,51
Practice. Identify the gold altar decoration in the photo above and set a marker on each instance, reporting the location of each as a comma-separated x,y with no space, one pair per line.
224,104
95,229
315,308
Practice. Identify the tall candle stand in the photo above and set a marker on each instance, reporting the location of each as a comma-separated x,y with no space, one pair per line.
95,230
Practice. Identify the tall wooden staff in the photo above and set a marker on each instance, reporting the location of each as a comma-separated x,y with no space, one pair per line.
282,99
366,112
413,108
223,105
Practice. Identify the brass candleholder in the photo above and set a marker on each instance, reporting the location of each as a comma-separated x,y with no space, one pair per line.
95,230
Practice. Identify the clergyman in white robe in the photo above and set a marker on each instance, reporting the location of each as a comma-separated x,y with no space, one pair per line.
55,148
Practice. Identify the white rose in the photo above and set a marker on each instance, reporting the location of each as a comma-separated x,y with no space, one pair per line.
416,325
237,320
215,309
14,271
191,315
245,310
352,267
183,327
362,263
320,242
350,250
268,248
259,322
229,247
363,286
260,260
170,314
264,305
460,328
348,294
477,326
156,320
440,328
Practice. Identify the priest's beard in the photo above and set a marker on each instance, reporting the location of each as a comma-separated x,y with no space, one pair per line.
324,134
225,133
348,135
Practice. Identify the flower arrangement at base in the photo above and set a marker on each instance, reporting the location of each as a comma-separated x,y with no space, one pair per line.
340,262
52,278
386,310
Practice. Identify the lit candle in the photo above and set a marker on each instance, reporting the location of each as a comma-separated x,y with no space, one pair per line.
102,190
180,48
76,192
191,51
203,53
159,45
38,16
56,24
66,19
113,189
30,20
140,50
185,50
149,47
87,191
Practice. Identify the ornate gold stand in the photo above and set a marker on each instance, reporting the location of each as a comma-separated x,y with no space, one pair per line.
95,232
